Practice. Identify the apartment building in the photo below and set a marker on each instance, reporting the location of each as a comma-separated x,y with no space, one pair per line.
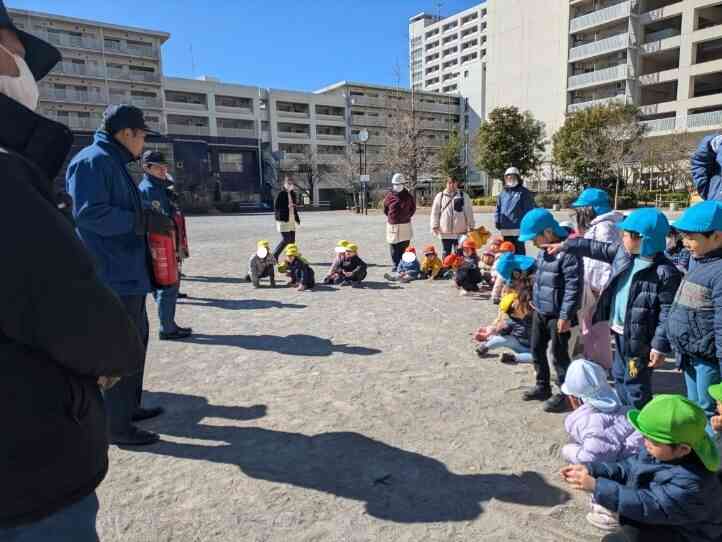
102,64
663,55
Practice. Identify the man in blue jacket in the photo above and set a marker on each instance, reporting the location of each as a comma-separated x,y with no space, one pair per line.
706,165
110,221
154,189
513,203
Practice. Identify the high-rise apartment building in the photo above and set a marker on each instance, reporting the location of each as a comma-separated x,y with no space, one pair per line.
102,64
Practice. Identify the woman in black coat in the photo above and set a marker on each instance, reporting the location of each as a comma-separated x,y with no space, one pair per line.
287,219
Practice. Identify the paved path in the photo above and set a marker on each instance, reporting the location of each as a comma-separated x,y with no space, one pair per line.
336,415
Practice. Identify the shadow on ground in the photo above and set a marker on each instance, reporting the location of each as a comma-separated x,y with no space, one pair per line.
239,304
292,345
395,484
213,280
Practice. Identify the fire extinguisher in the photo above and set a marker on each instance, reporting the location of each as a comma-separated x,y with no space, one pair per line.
180,224
163,254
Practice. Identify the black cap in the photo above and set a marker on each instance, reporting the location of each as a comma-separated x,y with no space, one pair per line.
120,117
40,56
154,157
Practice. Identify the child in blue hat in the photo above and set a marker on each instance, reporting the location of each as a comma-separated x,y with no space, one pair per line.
556,298
694,326
636,301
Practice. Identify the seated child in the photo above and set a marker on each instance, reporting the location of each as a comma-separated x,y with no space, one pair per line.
340,253
408,268
298,270
261,265
488,258
451,264
670,490
503,248
352,269
676,251
431,266
468,276
512,328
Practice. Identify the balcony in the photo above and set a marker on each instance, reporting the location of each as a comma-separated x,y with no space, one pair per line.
72,95
659,125
332,118
131,49
293,114
78,123
573,108
330,158
134,75
331,137
69,40
236,132
436,125
367,101
662,13
598,48
656,78
662,35
186,129
138,101
293,135
599,77
711,119
367,120
600,17
79,70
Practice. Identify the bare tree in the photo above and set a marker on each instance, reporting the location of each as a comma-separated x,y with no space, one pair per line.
407,150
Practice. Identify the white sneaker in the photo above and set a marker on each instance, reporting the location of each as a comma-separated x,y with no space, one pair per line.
464,293
605,521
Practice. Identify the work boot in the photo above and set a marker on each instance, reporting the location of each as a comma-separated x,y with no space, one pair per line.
537,393
557,404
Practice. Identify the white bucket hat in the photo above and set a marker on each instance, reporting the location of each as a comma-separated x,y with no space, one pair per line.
588,381
512,171
398,178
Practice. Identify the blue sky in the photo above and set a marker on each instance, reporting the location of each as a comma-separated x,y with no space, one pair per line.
288,44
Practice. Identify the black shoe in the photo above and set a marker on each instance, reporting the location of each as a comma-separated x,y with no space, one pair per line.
507,358
135,437
557,404
182,295
345,283
482,351
537,393
141,414
180,333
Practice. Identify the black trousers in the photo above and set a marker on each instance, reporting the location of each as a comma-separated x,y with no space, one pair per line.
287,237
468,279
544,331
356,276
450,246
122,399
397,250
520,247
643,533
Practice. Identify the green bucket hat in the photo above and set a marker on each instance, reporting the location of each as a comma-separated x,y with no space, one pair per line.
672,419
715,391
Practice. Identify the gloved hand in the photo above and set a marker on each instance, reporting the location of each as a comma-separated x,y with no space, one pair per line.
156,222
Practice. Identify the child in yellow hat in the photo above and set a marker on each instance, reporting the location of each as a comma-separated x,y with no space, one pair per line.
299,271
261,265
339,255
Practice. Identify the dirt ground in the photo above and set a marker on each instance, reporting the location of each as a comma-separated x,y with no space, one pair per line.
336,415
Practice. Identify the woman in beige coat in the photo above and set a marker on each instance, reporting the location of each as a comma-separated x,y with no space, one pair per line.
452,215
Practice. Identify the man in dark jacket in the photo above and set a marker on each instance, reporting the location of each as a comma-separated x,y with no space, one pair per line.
513,203
63,333
110,221
154,194
636,301
558,287
706,166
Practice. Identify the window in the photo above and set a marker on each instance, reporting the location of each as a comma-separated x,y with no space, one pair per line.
230,162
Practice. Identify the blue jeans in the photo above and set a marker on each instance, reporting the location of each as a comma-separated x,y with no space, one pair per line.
166,300
634,390
75,523
699,375
523,353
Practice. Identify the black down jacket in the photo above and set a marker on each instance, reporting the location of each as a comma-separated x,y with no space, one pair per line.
558,285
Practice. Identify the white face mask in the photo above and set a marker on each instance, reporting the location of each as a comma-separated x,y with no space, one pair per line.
512,184
399,188
22,89
288,187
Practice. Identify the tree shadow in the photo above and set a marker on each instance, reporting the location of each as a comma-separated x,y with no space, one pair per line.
292,345
395,485
239,304
213,280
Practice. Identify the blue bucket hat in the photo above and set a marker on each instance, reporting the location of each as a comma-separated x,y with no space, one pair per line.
700,218
651,224
510,262
536,221
588,381
595,198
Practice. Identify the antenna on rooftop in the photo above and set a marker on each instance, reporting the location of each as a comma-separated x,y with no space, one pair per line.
193,61
439,5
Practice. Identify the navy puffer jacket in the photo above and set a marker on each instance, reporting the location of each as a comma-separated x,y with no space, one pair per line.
511,206
694,326
558,285
650,295
706,166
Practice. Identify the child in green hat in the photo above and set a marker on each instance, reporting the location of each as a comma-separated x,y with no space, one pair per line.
670,491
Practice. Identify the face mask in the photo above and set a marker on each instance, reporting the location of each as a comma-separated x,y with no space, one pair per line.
22,89
512,184
288,187
399,188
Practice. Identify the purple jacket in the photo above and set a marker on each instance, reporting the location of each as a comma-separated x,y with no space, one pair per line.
599,436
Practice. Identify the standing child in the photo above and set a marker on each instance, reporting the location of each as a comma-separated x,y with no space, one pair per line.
352,269
668,492
636,301
299,271
468,276
339,255
676,251
431,266
261,265
694,326
512,328
556,298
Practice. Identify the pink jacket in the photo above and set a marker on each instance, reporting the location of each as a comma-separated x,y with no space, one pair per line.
603,228
600,436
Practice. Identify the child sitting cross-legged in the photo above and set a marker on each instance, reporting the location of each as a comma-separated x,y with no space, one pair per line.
408,269
431,266
339,255
670,491
352,269
512,328
297,269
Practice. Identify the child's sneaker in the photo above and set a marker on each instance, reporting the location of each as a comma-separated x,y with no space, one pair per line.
464,293
405,280
390,276
482,350
507,358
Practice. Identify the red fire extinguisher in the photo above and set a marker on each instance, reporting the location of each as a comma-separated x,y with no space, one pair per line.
163,253
180,224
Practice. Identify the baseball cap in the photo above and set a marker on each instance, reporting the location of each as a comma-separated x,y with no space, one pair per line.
40,56
703,217
120,117
154,157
